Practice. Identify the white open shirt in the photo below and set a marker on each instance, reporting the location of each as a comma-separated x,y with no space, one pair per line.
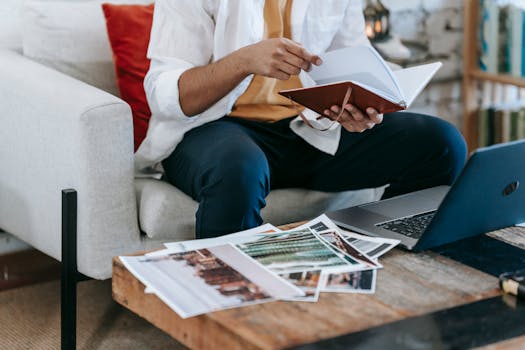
190,33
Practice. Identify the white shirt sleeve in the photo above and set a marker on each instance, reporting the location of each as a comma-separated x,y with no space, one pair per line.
352,31
172,52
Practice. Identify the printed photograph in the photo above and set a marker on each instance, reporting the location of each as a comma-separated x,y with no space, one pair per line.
205,280
215,272
353,255
319,226
293,251
308,281
351,282
374,247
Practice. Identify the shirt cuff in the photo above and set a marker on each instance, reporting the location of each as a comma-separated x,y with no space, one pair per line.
166,102
326,141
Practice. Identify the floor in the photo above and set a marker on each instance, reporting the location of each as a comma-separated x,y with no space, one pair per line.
30,310
27,267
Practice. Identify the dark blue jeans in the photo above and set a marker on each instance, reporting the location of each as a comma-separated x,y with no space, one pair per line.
230,165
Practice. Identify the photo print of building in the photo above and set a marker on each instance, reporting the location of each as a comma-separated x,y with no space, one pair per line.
223,277
293,251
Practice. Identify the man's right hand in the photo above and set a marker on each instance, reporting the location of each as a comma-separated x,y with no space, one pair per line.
277,58
201,87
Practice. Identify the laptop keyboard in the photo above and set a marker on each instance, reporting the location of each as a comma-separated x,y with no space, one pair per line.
412,226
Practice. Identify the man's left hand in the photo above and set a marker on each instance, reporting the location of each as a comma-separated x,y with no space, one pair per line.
353,119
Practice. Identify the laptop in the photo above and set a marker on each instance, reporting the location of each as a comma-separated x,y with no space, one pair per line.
489,194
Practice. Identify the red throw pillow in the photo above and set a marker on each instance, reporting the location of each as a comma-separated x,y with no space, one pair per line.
129,29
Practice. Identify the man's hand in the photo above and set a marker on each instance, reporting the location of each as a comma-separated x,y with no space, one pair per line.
277,58
201,87
353,119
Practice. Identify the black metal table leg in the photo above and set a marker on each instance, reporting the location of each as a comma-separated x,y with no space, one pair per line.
69,270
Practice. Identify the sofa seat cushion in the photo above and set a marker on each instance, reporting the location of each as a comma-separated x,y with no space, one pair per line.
167,213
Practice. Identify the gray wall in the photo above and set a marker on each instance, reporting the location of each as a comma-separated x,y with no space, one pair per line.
438,25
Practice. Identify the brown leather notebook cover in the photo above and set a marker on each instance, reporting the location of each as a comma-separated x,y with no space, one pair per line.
322,97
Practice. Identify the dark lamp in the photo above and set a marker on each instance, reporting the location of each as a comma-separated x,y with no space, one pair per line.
377,20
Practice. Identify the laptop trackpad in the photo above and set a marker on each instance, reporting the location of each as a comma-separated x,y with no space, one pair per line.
409,204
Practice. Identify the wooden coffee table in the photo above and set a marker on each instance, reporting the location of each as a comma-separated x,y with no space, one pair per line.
409,285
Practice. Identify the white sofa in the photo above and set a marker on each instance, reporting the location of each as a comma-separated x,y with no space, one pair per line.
59,132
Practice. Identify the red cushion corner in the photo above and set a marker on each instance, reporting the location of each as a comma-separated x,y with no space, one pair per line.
129,28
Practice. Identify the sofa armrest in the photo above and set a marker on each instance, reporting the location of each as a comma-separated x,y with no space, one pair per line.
58,133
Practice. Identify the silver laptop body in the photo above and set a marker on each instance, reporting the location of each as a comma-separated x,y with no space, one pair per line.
488,195
367,218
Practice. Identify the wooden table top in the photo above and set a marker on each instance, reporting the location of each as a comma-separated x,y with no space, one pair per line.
410,284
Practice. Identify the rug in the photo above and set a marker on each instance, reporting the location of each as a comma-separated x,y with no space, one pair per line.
30,319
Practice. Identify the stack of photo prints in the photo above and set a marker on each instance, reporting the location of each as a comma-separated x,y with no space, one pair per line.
260,265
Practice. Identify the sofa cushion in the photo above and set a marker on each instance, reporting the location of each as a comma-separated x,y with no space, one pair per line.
71,37
167,213
129,28
10,28
10,23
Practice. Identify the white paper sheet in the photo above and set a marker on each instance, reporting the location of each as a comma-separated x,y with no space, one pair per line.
238,237
184,275
364,66
361,64
195,288
414,79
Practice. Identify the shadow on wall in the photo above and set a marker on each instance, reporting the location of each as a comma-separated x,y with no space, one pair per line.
16,205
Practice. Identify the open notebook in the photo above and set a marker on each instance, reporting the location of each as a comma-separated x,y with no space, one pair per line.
372,81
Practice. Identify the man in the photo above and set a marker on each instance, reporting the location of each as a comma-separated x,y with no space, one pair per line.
226,138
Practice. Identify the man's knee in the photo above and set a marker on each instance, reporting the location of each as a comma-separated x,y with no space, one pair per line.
448,138
233,194
243,176
443,140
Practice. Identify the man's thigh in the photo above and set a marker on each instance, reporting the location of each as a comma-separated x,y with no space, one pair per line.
378,156
208,152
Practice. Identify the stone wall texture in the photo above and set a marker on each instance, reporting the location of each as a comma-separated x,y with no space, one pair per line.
437,26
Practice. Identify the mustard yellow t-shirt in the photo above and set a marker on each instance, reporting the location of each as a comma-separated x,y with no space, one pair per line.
261,100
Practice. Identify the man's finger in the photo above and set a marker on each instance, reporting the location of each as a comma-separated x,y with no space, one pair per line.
374,115
349,127
330,114
297,61
301,52
343,115
289,68
355,112
279,74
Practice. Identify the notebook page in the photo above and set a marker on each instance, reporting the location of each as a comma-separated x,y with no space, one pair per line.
414,79
358,63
